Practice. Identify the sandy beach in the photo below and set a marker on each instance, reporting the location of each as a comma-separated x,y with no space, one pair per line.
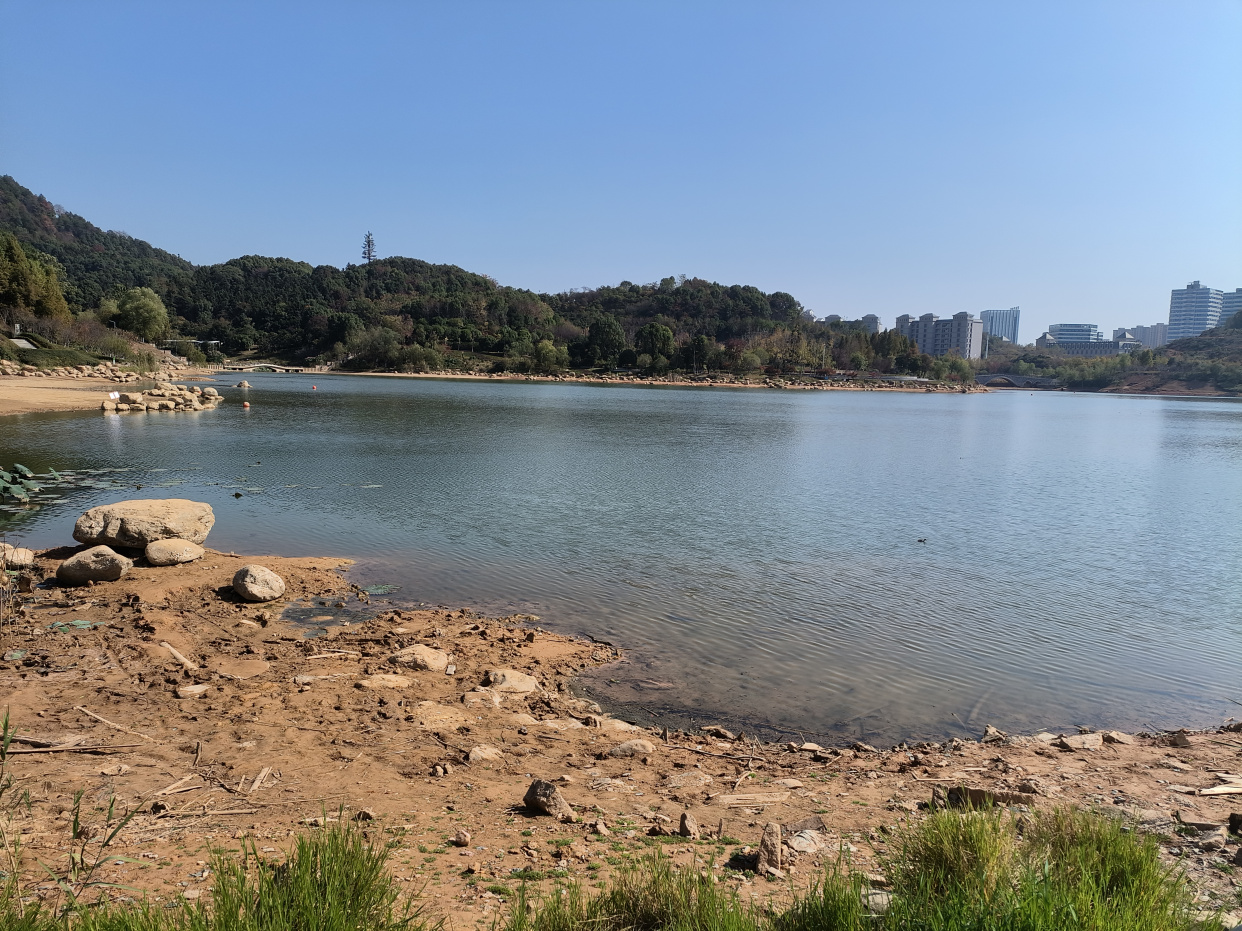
289,729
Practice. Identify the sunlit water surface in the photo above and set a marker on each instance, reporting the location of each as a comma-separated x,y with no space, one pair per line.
758,552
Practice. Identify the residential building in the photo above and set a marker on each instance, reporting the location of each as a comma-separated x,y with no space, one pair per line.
962,332
1193,309
870,323
1230,304
1075,332
1002,323
1152,337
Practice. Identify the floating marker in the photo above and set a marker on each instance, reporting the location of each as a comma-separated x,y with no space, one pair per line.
245,403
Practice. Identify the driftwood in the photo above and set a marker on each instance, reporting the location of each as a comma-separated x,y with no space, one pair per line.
112,724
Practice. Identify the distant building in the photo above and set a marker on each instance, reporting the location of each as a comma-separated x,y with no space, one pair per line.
1002,323
1091,347
832,318
1193,309
936,337
870,323
1075,332
1152,337
1230,304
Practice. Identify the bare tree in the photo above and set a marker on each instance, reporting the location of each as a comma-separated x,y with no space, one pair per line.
368,248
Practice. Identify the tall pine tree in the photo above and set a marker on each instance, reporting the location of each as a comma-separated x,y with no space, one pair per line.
368,247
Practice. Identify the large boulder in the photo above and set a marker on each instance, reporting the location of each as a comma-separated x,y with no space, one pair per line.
172,552
98,564
258,583
137,523
545,798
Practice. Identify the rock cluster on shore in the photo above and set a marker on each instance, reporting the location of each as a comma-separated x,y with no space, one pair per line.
108,370
165,396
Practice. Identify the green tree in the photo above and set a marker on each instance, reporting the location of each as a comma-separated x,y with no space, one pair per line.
141,311
27,283
368,247
655,339
606,339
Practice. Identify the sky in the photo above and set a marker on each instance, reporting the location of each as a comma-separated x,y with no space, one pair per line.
1076,159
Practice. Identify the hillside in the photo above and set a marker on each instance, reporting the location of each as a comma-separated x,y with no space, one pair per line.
95,262
400,313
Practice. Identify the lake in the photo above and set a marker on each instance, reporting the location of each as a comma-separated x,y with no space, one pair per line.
839,564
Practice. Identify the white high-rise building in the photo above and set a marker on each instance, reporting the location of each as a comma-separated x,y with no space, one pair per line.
1192,310
1230,304
936,337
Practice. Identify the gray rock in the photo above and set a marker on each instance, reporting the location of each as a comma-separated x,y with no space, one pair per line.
258,583
636,747
421,657
172,552
543,796
137,523
1079,742
510,680
770,849
98,564
16,557
689,827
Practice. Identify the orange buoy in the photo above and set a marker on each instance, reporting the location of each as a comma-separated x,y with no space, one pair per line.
245,403
314,387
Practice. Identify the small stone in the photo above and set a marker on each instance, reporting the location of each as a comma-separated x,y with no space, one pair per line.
543,796
481,696
510,680
861,747
383,680
15,557
437,770
770,848
172,552
689,827
1213,840
258,583
1079,742
600,827
421,657
632,748
715,730
97,564
461,839
484,754
991,735
192,691
1116,737
364,814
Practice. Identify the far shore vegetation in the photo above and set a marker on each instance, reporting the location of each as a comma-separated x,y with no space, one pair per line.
87,294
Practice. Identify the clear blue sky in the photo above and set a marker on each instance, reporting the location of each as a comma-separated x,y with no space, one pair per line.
1078,159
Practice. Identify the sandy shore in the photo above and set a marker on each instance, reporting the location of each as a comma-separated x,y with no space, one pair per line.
37,395
291,728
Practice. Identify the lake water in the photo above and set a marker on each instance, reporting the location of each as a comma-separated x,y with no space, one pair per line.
757,552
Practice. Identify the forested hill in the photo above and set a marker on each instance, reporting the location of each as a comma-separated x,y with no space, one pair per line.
94,262
289,308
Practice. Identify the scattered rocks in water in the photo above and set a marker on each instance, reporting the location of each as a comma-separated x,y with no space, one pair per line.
172,552
134,524
243,384
510,680
97,564
546,798
258,583
165,396
421,657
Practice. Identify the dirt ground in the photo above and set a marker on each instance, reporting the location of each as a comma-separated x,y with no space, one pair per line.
286,733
